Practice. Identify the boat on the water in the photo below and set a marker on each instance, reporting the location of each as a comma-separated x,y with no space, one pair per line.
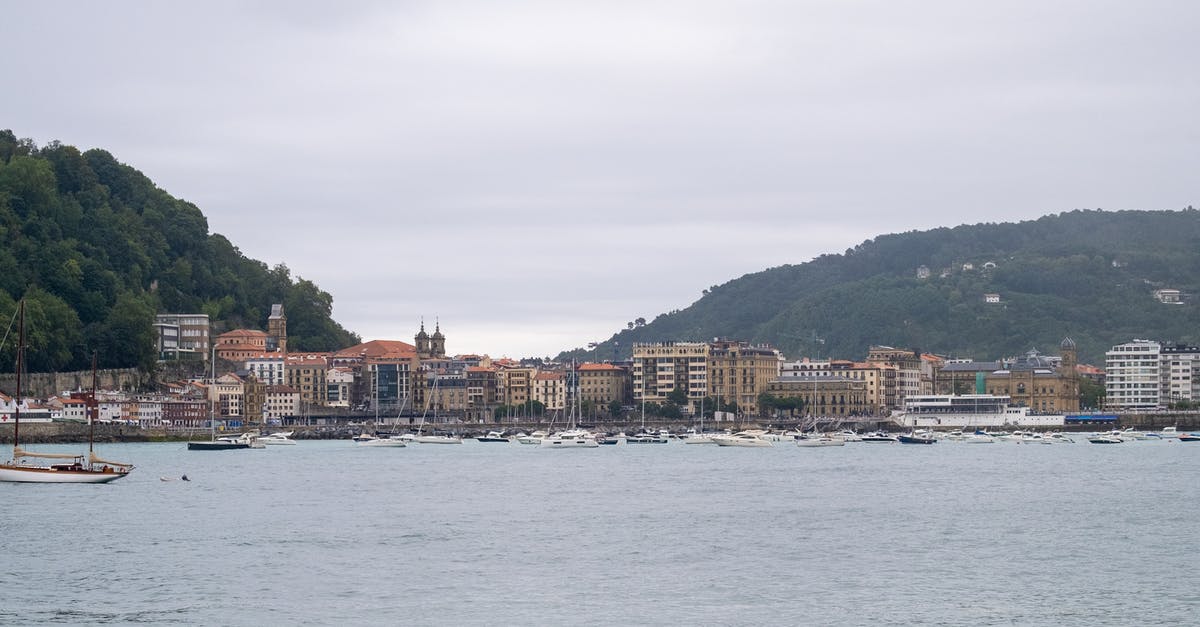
916,438
70,468
1189,437
492,436
746,439
809,440
394,441
281,438
878,436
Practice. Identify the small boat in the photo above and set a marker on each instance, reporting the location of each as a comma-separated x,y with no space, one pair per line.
647,437
609,440
818,440
394,441
1105,438
879,436
979,437
437,439
849,435
1189,437
533,438
743,439
916,438
692,437
282,438
492,436
572,438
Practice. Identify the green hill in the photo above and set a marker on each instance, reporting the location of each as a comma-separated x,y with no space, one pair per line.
97,250
1090,275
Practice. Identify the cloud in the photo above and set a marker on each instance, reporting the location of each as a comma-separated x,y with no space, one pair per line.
540,171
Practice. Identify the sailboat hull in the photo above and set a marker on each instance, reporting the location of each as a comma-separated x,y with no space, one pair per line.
42,474
216,446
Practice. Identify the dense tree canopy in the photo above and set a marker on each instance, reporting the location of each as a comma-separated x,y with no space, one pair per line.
1089,275
97,250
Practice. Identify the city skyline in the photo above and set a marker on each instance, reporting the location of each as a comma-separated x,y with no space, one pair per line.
535,175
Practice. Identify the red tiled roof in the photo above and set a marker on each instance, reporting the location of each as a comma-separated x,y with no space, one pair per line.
379,349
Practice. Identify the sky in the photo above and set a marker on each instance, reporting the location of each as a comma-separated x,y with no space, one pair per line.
531,176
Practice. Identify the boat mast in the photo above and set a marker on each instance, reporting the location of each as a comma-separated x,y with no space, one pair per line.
20,367
93,406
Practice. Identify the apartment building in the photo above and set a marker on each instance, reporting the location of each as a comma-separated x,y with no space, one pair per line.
182,336
1133,375
660,368
550,389
602,384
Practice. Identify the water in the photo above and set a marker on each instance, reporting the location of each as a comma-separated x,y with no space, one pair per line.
497,534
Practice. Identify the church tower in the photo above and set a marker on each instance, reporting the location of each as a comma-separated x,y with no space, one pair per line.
438,344
422,340
1069,375
277,329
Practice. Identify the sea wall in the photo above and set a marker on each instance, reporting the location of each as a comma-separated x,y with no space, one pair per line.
46,384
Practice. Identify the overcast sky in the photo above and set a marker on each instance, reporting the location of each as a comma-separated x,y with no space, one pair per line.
536,174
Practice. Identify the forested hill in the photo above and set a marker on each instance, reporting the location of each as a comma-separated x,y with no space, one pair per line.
97,250
1090,275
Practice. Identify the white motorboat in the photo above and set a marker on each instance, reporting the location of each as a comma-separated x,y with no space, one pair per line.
394,441
647,437
818,440
879,436
1105,438
572,438
282,438
533,438
492,436
437,439
849,435
979,437
742,438
692,437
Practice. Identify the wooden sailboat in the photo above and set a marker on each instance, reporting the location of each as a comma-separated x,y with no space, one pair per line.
72,468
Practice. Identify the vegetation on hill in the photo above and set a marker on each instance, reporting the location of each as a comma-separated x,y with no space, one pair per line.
1090,275
97,250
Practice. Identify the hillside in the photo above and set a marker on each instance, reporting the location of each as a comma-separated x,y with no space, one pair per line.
97,250
1090,275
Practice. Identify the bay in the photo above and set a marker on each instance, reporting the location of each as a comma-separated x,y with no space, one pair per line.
329,533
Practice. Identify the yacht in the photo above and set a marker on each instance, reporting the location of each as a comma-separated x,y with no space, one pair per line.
492,436
693,437
647,437
437,439
1106,438
533,438
742,438
878,436
572,438
282,438
818,440
394,441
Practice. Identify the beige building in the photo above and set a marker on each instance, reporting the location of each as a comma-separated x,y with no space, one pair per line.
306,372
740,372
824,396
516,385
550,389
239,344
227,393
728,371
602,384
660,368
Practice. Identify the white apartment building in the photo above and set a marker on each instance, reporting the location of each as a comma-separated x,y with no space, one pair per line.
267,368
1179,373
1133,375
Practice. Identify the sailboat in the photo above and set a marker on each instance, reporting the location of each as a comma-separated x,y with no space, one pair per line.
225,442
433,438
79,469
573,437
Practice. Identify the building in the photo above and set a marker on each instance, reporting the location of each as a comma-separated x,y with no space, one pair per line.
824,396
281,402
482,392
661,368
182,336
740,372
908,372
1179,373
1044,384
277,330
270,368
306,373
1132,376
602,384
550,389
240,344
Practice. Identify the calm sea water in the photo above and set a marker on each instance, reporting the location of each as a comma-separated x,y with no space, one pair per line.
325,533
